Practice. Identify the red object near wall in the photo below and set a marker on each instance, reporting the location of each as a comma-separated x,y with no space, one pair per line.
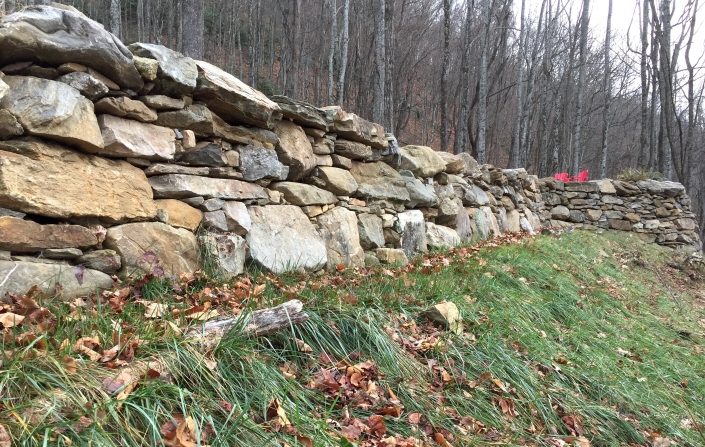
582,177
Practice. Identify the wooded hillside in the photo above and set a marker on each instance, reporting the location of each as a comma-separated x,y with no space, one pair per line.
512,85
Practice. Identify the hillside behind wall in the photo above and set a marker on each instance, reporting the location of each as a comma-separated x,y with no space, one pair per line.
118,160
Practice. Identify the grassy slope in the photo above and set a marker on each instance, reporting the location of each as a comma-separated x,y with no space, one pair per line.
579,340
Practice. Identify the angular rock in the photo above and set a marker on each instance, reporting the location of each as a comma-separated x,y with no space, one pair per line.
420,194
9,126
454,163
512,221
49,180
485,223
304,195
237,217
560,212
126,108
472,167
341,162
606,186
177,186
378,180
370,231
301,113
212,204
53,36
412,227
179,214
146,246
205,154
338,181
232,99
663,188
258,163
26,236
447,315
438,236
177,73
106,261
19,277
463,226
3,87
473,195
223,254
162,169
62,253
53,110
148,68
283,239
395,256
421,160
339,228
205,123
162,102
215,221
294,150
89,86
352,127
128,138
353,150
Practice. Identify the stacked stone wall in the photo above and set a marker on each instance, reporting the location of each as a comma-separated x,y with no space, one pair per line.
117,160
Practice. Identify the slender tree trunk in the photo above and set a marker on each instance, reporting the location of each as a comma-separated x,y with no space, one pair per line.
390,45
444,75
645,149
462,137
332,48
580,100
193,29
115,18
607,87
514,153
380,58
344,42
687,150
482,89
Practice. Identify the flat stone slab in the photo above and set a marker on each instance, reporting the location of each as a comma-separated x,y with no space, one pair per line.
26,236
17,277
178,186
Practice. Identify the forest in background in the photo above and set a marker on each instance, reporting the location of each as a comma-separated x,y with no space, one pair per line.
515,86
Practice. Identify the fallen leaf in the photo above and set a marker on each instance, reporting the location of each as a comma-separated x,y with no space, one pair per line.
5,438
9,319
155,310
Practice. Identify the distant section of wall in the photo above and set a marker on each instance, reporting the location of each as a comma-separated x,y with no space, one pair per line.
121,161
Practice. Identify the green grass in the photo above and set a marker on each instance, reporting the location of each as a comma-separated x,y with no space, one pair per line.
585,334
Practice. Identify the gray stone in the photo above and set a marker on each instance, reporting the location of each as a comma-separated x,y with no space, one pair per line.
560,212
605,186
126,108
86,83
454,163
664,188
438,236
177,186
341,162
163,169
224,254
473,195
353,150
412,227
145,246
352,127
148,68
237,217
302,113
215,220
213,204
19,277
294,150
9,126
62,253
177,73
53,110
447,315
304,195
339,229
338,181
370,231
421,160
394,256
232,99
205,154
55,35
128,138
259,163
420,194
283,239
25,236
485,223
378,180
163,102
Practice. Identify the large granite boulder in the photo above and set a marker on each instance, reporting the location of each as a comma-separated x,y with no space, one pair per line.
223,254
352,127
421,160
146,246
56,35
177,74
283,239
128,138
258,163
340,231
49,180
294,150
70,282
338,181
304,195
302,113
378,180
232,99
412,228
180,186
26,236
53,110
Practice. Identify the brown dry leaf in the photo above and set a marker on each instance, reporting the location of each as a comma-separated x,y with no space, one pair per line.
303,346
441,440
86,345
415,418
70,364
154,310
259,289
110,354
179,432
507,406
9,319
5,438
377,425
121,385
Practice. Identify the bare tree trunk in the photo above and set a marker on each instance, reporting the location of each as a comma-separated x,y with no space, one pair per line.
380,58
462,138
482,88
644,138
687,150
515,150
607,87
115,18
193,29
296,55
444,75
390,45
344,41
333,45
580,100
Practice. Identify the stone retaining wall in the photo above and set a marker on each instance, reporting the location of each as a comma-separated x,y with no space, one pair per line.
120,160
